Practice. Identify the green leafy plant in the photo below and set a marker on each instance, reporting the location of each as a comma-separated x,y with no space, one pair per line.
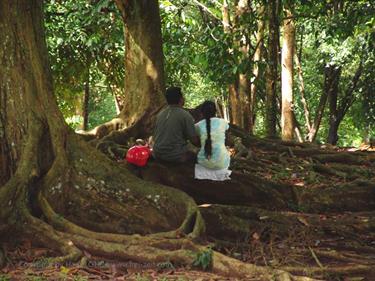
4,277
203,259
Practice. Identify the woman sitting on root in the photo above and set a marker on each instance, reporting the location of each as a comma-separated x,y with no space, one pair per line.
213,157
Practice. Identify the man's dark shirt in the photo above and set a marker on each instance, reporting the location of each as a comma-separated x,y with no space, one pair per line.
174,126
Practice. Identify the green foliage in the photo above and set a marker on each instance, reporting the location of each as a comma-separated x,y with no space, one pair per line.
341,39
4,277
86,44
85,41
199,55
203,259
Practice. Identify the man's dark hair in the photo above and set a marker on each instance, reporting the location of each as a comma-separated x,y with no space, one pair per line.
173,95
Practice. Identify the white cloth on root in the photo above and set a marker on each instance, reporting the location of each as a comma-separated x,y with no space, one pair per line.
203,173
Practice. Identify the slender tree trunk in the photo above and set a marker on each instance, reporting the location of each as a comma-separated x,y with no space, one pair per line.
331,78
306,109
226,17
333,91
271,71
219,108
118,104
239,90
243,45
144,70
338,111
256,59
86,99
235,105
244,96
287,123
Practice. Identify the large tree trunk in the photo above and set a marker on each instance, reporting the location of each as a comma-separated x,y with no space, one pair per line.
49,170
144,73
271,71
287,124
144,69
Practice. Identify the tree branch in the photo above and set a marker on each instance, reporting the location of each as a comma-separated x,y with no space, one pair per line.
207,10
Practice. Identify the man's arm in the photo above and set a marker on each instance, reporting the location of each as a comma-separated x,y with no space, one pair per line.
190,131
195,140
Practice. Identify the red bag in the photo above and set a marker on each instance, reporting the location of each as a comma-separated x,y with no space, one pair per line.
138,155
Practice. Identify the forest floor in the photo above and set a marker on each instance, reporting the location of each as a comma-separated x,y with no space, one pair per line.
333,245
27,263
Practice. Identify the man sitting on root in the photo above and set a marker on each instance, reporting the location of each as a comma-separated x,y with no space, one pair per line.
174,128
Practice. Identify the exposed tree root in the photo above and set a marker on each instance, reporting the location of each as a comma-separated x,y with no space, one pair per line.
241,190
50,238
343,257
183,255
324,271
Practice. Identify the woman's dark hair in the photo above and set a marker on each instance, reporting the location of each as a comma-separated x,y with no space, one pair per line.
208,110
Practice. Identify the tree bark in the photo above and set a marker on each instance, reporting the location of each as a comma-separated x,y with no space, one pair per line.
86,99
235,107
239,90
331,78
226,17
302,92
338,111
144,75
332,100
256,59
243,45
144,68
234,100
271,71
287,123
